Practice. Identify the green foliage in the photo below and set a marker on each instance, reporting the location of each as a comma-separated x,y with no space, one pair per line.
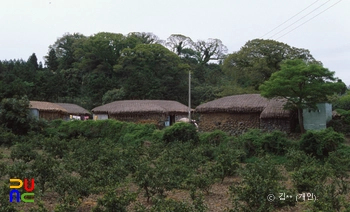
342,102
341,125
14,114
254,142
308,176
113,95
331,197
259,180
258,59
158,177
68,186
19,170
40,208
45,169
55,146
182,132
204,178
276,142
228,162
157,64
302,84
68,203
7,137
5,205
339,162
251,142
23,151
321,143
111,202
167,205
214,138
297,158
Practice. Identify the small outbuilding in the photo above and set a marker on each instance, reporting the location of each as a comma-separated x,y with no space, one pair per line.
75,111
47,110
159,112
238,113
317,119
275,117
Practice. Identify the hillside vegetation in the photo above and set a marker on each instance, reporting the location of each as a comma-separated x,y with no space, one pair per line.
118,166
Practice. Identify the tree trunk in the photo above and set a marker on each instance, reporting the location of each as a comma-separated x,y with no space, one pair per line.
301,122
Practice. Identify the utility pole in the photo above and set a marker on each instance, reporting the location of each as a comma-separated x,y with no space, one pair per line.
189,97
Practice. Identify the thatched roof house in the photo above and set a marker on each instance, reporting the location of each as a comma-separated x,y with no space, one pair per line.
236,114
142,111
75,110
47,110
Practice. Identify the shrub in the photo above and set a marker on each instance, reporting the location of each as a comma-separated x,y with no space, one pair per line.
251,142
214,138
321,143
276,142
296,159
14,114
259,180
7,138
23,151
339,162
55,146
162,204
182,132
256,142
331,197
112,202
228,162
309,176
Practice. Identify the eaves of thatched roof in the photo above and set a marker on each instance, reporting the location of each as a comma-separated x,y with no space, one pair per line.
46,106
74,109
275,109
246,103
142,106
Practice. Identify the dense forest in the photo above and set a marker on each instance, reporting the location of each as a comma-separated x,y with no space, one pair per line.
104,67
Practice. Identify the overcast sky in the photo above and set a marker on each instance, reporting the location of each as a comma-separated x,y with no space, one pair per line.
322,26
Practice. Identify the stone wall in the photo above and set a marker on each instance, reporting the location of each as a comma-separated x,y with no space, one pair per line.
232,123
285,125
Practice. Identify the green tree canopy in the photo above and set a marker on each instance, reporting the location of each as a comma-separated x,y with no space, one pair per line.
258,59
151,71
303,84
51,60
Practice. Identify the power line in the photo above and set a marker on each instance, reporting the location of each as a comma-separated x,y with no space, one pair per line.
310,19
299,19
289,19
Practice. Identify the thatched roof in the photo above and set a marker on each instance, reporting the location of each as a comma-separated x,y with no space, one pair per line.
46,106
74,109
274,109
246,103
141,106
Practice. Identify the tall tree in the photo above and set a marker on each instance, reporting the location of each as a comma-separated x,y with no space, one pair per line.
212,49
303,84
135,38
33,62
65,48
151,71
258,59
51,60
177,43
